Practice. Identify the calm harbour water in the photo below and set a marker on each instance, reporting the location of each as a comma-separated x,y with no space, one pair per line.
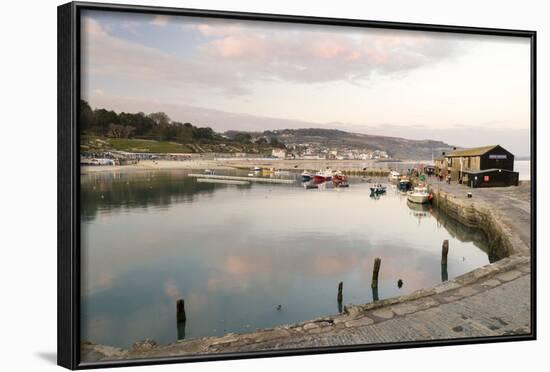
235,253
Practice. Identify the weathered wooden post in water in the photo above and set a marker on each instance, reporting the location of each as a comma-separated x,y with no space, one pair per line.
374,284
181,318
444,253
180,306
340,296
375,271
181,331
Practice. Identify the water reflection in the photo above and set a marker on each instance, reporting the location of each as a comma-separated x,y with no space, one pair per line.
181,330
236,253
444,273
118,191
375,293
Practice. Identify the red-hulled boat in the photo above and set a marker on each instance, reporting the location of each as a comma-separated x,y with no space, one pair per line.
322,176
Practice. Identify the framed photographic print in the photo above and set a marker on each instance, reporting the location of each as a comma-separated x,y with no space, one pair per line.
238,185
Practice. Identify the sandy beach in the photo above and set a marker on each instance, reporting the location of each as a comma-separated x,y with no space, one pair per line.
311,165
155,164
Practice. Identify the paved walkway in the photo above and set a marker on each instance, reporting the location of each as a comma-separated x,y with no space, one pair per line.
499,311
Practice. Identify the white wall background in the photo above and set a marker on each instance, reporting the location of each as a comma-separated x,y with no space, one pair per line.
28,183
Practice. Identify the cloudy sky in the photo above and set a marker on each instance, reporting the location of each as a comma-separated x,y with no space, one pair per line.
465,90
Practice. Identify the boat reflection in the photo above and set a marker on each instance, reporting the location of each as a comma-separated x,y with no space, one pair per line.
420,211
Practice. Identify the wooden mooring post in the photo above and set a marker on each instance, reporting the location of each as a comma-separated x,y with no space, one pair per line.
340,296
374,284
375,272
444,253
180,314
181,318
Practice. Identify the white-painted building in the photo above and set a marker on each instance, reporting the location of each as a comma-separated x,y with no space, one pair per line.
278,153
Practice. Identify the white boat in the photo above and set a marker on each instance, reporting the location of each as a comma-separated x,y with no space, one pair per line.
419,195
394,176
257,169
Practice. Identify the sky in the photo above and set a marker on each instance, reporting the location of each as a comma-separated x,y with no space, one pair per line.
466,90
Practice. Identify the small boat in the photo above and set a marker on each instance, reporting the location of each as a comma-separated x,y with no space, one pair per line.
404,184
393,176
306,176
338,177
208,171
419,195
377,189
257,169
323,176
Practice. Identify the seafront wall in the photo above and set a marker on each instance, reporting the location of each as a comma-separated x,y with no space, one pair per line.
478,214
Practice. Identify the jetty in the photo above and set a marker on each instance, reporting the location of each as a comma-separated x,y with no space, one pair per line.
225,182
243,179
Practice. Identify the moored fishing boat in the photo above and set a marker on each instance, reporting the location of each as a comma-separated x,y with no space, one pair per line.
419,195
394,176
339,179
306,176
404,184
323,176
377,189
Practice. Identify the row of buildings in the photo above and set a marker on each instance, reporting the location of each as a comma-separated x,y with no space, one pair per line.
329,154
487,166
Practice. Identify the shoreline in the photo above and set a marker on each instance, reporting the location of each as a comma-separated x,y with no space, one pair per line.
348,167
488,287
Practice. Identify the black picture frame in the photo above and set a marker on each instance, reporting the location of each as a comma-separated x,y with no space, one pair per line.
68,253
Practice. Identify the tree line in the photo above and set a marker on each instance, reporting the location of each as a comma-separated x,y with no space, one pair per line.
157,126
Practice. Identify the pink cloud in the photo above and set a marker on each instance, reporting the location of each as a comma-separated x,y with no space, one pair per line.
160,20
232,56
240,47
